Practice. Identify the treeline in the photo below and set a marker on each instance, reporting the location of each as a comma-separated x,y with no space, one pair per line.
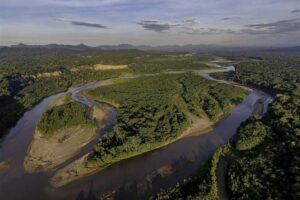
264,157
152,111
30,61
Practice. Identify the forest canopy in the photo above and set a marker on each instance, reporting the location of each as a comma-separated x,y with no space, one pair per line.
263,159
27,75
153,110
63,116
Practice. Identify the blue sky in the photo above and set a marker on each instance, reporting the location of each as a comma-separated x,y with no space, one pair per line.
151,22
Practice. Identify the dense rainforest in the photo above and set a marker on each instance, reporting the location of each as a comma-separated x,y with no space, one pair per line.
154,110
27,75
263,160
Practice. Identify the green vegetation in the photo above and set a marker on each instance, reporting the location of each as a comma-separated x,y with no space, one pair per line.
229,76
147,114
264,160
152,111
27,75
154,63
258,172
244,173
250,134
209,96
64,116
19,93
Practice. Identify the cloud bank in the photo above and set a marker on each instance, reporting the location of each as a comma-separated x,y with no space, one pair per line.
231,18
155,25
172,21
83,23
295,11
278,27
163,26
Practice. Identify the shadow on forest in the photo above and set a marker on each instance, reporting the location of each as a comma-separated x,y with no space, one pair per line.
10,111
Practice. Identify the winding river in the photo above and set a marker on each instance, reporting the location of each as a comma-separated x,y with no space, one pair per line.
134,178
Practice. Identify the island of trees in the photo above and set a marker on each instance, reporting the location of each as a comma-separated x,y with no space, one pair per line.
63,116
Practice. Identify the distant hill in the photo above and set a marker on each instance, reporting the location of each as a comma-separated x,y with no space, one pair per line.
53,46
286,49
168,48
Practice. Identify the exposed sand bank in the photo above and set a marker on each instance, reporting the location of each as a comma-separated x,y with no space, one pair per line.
63,99
198,125
73,171
47,152
100,67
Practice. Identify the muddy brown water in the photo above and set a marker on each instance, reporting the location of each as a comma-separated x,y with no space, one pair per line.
134,178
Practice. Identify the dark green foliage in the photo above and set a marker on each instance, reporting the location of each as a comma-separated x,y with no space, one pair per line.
253,175
265,163
21,87
271,170
258,166
153,63
229,76
250,134
213,98
280,74
64,116
10,111
284,116
152,110
147,114
30,61
19,95
203,185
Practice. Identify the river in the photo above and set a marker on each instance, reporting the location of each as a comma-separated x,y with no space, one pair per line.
134,178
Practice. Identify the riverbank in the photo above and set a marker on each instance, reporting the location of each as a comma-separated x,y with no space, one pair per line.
85,167
79,169
63,99
47,153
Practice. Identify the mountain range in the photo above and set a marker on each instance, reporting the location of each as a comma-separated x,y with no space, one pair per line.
170,48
